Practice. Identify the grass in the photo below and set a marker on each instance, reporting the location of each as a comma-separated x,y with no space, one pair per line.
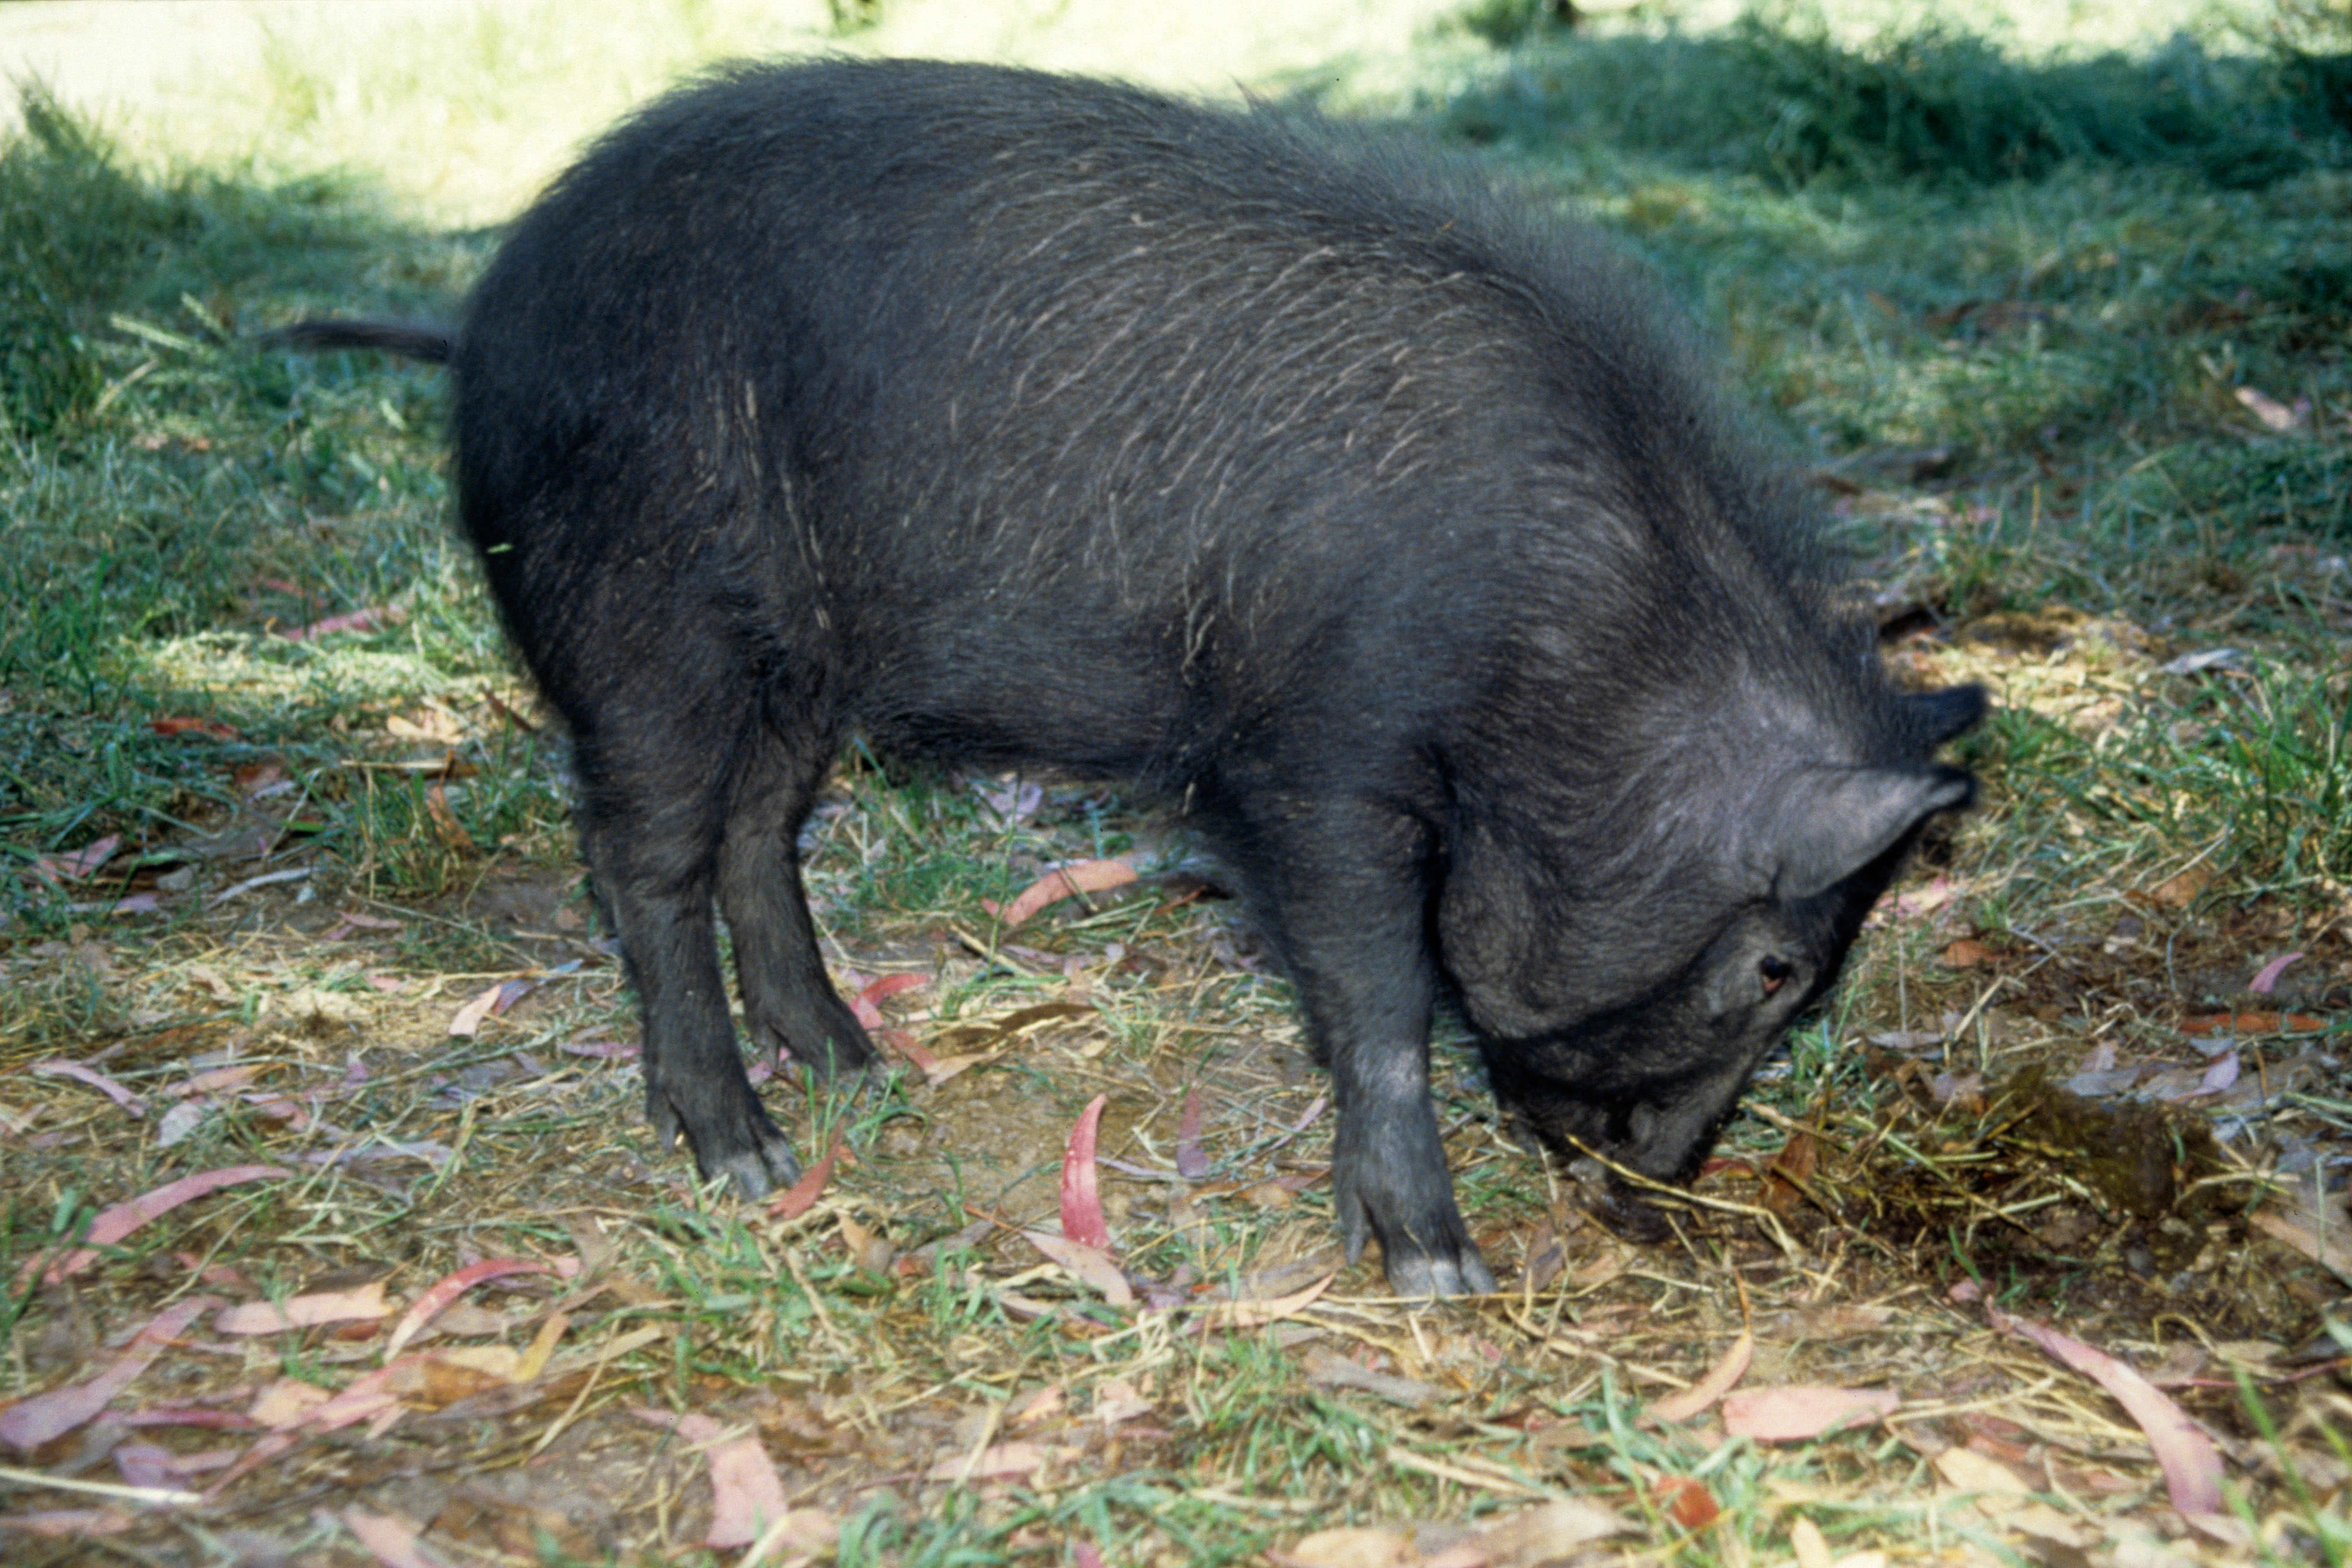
1781,96
2063,338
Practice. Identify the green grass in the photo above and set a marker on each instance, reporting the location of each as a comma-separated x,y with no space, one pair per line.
1781,96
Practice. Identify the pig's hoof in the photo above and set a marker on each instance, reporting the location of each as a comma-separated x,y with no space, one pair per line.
755,1173
1417,1276
755,1158
1621,1212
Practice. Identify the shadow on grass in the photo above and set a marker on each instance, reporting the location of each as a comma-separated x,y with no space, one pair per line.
1789,103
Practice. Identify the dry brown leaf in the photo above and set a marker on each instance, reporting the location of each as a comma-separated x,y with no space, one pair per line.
1255,1314
998,1461
448,1288
2193,1469
29,1423
1353,1546
1090,1266
1797,1412
1080,876
746,1496
363,1303
445,826
1718,1382
114,1223
2330,1252
285,1402
2180,891
1686,1501
1081,1213
1547,1533
1965,1469
800,1532
1328,1368
1805,1540
390,1540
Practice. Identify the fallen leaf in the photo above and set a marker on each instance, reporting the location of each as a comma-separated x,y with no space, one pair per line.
798,1198
286,1403
1789,1171
1805,1540
389,1539
217,1079
1042,1405
1191,1164
79,866
1966,1470
866,1004
67,1524
362,1304
2250,1023
29,1423
445,825
1547,1258
606,1049
114,1223
96,1080
999,1461
1718,1381
1685,1501
1796,1412
1547,1533
1249,1315
1090,1266
467,1020
207,728
1082,1215
155,1468
2193,1469
2267,979
869,1250
2180,891
2220,1075
1328,1368
449,1288
801,1533
746,1497
1116,1400
1079,876
1353,1546
2329,1250
366,620
2274,414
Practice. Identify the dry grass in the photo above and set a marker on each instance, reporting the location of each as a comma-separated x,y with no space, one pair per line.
927,1384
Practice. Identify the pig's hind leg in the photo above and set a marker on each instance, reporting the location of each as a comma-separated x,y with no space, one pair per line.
788,1002
658,744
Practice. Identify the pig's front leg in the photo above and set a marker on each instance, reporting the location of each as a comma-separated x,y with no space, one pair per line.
1342,891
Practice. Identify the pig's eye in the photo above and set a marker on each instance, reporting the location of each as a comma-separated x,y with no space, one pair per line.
1775,973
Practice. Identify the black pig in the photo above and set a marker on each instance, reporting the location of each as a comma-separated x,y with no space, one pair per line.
1021,421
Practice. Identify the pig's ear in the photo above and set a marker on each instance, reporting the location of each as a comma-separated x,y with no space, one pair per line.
1937,717
1829,822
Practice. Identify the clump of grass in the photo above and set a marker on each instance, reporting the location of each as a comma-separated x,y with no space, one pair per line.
163,476
2311,42
1788,99
72,225
1504,22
